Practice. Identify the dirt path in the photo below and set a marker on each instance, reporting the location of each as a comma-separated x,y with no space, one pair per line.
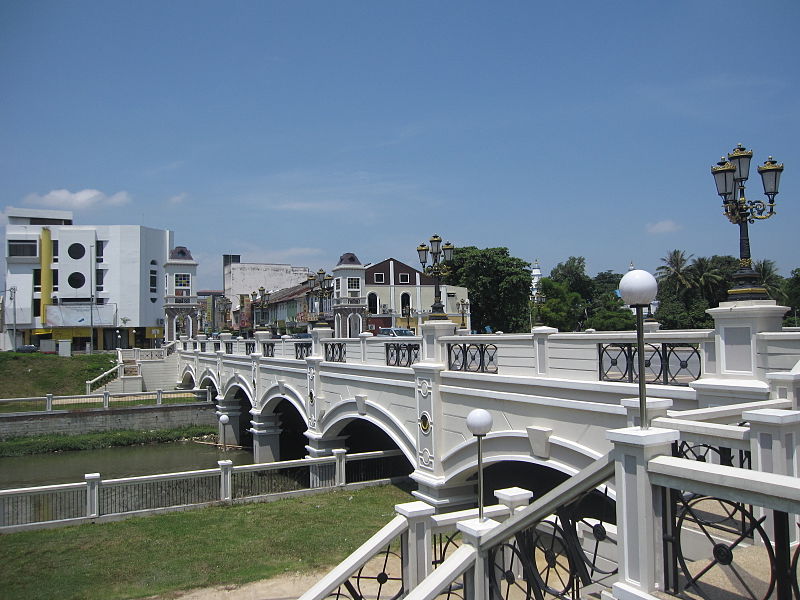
283,587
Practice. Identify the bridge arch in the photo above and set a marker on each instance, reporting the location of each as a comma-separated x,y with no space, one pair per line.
278,393
347,411
187,379
237,402
208,378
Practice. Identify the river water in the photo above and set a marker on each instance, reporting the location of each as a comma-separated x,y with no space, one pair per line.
111,463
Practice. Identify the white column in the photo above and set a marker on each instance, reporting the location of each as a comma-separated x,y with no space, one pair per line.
417,557
477,580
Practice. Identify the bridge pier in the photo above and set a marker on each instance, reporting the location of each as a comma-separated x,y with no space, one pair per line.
231,431
322,475
266,430
444,497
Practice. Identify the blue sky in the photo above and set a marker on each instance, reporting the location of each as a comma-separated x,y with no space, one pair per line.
296,131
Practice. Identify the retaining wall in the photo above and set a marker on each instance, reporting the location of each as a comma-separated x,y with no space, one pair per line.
99,419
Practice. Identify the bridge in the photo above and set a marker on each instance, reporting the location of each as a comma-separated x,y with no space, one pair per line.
553,396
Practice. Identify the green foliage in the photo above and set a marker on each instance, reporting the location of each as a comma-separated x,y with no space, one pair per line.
562,307
610,315
34,375
572,273
161,554
498,284
43,444
791,288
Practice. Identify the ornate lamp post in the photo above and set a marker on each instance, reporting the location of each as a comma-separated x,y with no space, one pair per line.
730,176
321,288
439,253
463,307
638,289
406,311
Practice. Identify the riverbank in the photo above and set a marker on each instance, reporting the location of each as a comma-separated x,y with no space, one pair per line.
34,375
45,444
218,546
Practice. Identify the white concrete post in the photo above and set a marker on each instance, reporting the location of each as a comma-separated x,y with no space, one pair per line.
284,340
656,407
92,494
106,398
639,510
341,473
362,338
209,398
266,430
477,578
159,397
774,436
514,499
49,402
225,480
417,541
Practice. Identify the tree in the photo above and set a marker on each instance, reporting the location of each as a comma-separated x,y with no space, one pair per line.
562,307
610,315
769,279
675,272
572,273
791,289
706,277
499,287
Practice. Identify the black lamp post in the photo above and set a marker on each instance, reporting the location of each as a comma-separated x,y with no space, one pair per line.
463,307
439,253
730,176
321,288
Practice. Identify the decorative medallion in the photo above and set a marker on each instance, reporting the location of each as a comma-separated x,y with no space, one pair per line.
425,422
423,385
425,458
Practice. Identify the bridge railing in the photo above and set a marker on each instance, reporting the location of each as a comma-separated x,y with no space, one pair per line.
94,497
106,400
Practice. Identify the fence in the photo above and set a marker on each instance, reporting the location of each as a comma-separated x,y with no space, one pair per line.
51,403
94,497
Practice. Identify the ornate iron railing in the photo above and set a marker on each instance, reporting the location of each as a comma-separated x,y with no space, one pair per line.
301,350
268,349
477,358
228,347
380,578
249,348
401,355
336,351
665,364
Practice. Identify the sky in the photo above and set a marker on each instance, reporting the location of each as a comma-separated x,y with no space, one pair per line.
293,132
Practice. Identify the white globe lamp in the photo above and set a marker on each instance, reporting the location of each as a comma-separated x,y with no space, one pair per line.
479,423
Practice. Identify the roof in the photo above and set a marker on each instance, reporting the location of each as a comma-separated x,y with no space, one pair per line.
290,293
180,253
348,258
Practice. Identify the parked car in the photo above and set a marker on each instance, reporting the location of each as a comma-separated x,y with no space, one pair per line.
27,348
301,336
394,332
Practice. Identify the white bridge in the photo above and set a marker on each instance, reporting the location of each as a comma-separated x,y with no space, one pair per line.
553,396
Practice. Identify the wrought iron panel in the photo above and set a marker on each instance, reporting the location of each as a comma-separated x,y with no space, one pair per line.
476,358
336,352
268,349
302,350
401,355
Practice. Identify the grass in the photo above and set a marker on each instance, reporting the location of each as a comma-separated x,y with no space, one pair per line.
43,444
33,375
199,548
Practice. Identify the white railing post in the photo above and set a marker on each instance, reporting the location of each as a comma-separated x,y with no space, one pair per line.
514,499
209,397
92,494
639,509
417,542
341,472
225,480
88,387
362,339
48,403
159,397
774,436
106,398
477,580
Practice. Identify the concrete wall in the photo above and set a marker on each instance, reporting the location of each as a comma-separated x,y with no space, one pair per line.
96,420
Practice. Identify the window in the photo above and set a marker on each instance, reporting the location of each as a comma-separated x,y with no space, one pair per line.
338,283
183,280
37,307
372,303
99,275
76,280
55,250
37,280
353,283
405,301
379,277
55,280
99,250
403,278
22,248
153,281
76,251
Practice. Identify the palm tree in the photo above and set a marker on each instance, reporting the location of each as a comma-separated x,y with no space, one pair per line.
706,277
769,279
675,271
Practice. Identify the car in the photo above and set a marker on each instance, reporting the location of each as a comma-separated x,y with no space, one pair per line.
394,332
301,336
27,348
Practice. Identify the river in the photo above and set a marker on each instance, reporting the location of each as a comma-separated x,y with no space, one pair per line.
111,463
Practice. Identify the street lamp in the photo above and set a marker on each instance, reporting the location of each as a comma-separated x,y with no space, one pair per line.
119,339
479,423
463,307
729,177
406,312
321,288
223,421
638,289
439,253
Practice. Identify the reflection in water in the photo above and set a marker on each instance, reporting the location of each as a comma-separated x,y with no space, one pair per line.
111,463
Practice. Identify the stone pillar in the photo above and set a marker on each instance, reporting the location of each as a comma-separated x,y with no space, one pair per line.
318,336
322,475
639,510
774,437
514,499
362,338
92,494
231,431
225,480
786,386
477,579
417,541
656,407
541,341
432,349
266,430
732,371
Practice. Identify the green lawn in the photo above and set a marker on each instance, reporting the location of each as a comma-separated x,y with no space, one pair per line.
33,375
155,555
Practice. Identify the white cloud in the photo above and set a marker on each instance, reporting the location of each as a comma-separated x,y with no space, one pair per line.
666,226
178,198
77,200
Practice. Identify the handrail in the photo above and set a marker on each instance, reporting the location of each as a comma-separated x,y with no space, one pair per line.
357,559
714,434
435,583
583,481
91,382
726,413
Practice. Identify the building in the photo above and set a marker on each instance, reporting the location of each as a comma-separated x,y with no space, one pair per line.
240,280
363,298
99,286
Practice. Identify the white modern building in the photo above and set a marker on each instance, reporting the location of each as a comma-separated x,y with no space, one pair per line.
103,285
